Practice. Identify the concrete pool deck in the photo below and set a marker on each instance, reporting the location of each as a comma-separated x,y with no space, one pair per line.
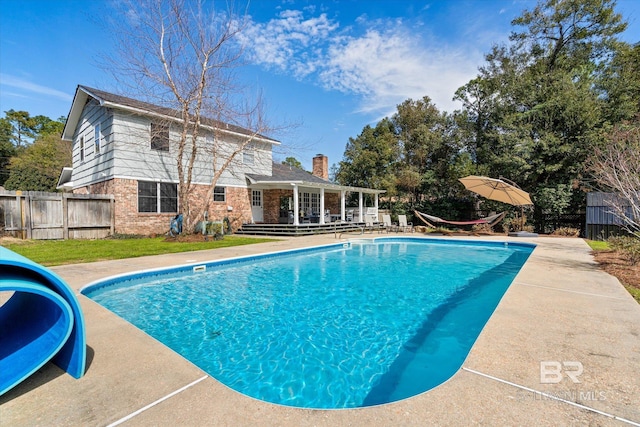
561,313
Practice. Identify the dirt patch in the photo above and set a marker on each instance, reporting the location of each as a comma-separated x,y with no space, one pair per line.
8,240
617,265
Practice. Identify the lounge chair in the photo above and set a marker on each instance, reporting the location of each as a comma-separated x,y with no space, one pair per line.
369,224
491,220
403,225
387,224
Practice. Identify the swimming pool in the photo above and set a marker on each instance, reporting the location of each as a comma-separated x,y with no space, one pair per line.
339,326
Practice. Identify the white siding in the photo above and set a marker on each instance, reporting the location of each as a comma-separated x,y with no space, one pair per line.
134,157
127,153
96,166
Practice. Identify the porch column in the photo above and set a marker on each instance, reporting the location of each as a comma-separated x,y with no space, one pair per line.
342,205
375,203
360,217
296,207
321,206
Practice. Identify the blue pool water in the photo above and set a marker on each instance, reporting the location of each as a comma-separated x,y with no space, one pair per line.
339,326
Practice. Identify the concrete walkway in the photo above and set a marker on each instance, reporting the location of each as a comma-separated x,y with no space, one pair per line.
561,312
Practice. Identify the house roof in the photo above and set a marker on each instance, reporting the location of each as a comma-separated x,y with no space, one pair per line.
288,175
135,106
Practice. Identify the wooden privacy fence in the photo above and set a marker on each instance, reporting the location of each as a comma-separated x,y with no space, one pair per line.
41,216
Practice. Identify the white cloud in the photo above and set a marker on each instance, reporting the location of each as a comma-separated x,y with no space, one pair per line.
282,42
386,64
388,67
18,83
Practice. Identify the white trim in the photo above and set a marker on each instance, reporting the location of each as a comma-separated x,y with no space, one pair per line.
137,178
308,184
296,205
321,206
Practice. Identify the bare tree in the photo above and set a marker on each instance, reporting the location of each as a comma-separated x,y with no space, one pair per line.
616,168
182,55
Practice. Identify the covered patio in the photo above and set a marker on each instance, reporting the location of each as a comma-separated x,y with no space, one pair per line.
293,197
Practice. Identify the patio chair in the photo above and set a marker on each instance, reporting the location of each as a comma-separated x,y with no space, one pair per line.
387,224
349,216
403,225
370,225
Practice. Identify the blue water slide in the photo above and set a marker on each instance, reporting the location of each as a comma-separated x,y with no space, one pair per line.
40,321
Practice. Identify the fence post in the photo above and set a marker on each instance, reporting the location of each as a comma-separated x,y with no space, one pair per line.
20,216
65,216
113,215
27,215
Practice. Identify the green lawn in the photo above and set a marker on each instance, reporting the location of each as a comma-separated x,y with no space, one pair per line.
58,252
598,245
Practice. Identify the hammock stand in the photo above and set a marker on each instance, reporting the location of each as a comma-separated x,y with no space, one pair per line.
429,219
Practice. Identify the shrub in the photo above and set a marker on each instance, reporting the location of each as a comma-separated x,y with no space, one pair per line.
628,245
215,229
482,228
566,231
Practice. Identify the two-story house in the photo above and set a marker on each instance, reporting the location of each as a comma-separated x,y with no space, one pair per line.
127,148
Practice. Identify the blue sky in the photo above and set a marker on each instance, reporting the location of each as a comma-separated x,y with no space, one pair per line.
331,66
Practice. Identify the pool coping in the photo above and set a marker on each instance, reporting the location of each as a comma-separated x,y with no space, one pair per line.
560,311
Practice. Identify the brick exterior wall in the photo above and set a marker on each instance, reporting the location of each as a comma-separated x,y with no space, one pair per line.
332,202
321,166
238,198
129,221
271,204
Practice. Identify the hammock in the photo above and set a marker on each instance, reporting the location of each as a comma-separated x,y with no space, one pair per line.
428,219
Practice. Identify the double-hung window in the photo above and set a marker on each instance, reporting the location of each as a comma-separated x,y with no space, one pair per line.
97,140
157,197
159,137
82,148
219,194
248,154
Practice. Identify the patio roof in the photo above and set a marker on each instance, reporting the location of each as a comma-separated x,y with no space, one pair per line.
286,176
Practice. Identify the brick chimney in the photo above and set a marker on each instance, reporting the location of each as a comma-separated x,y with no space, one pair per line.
321,166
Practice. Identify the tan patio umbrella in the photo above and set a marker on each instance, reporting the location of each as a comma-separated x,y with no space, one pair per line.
496,189
499,190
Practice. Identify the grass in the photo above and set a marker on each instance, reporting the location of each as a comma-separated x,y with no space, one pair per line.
635,292
618,266
597,245
58,252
